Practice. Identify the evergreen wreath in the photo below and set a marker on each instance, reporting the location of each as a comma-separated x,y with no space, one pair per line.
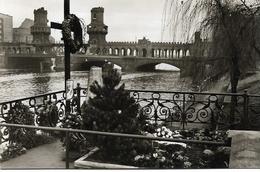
72,24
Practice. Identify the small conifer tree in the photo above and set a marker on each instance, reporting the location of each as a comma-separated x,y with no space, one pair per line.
114,110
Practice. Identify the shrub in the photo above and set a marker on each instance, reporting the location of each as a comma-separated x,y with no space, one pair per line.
113,110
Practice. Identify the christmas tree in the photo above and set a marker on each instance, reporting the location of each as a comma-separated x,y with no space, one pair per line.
114,110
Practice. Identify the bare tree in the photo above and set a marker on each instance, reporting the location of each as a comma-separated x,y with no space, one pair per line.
231,27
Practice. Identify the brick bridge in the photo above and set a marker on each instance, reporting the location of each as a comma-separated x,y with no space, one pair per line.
187,64
131,56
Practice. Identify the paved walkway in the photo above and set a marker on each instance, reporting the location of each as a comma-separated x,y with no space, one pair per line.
245,149
41,157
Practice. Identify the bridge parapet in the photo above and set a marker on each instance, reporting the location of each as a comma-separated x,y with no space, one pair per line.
113,43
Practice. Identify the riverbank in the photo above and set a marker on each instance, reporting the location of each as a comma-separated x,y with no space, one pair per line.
250,83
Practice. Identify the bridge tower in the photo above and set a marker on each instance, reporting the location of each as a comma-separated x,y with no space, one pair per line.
97,31
41,31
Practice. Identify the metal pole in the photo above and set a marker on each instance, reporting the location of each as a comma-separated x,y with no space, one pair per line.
66,7
245,120
183,114
66,46
67,77
67,149
78,96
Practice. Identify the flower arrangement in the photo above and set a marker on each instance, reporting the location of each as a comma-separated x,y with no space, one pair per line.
181,155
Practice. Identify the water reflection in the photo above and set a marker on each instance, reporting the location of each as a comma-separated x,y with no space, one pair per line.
37,83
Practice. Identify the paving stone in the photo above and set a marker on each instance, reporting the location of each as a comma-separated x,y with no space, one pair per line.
245,149
42,157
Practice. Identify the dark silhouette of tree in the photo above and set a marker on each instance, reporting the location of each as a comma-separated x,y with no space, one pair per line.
231,27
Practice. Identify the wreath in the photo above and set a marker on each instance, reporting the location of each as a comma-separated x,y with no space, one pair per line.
72,24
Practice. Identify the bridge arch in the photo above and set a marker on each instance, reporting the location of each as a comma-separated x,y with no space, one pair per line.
98,51
104,51
152,52
129,52
187,53
144,52
28,50
135,52
158,51
110,51
14,50
181,53
116,51
166,67
165,53
154,66
123,52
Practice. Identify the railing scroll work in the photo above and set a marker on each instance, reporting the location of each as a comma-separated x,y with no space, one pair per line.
176,109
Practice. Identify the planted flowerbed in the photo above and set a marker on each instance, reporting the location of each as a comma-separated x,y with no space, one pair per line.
186,155
114,110
166,154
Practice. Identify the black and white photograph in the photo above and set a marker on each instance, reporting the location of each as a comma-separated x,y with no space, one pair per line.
129,84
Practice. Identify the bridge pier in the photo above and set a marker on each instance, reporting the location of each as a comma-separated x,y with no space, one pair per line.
34,62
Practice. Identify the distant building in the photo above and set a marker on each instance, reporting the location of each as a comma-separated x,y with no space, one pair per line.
41,31
23,34
6,28
97,30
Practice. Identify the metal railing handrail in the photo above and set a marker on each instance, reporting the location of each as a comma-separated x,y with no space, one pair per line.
189,92
68,131
93,132
144,91
32,97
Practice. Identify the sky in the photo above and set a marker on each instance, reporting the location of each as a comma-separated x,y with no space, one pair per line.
127,20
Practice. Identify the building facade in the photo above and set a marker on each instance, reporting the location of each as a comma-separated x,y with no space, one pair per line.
23,34
6,28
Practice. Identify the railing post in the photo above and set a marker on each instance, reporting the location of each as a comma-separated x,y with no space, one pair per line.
11,134
67,149
245,120
78,89
183,113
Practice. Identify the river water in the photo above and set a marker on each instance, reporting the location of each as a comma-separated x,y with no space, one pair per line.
14,85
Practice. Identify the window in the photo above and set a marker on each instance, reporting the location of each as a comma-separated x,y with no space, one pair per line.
94,16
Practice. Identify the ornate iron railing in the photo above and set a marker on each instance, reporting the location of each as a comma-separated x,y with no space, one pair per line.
177,109
191,108
47,108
